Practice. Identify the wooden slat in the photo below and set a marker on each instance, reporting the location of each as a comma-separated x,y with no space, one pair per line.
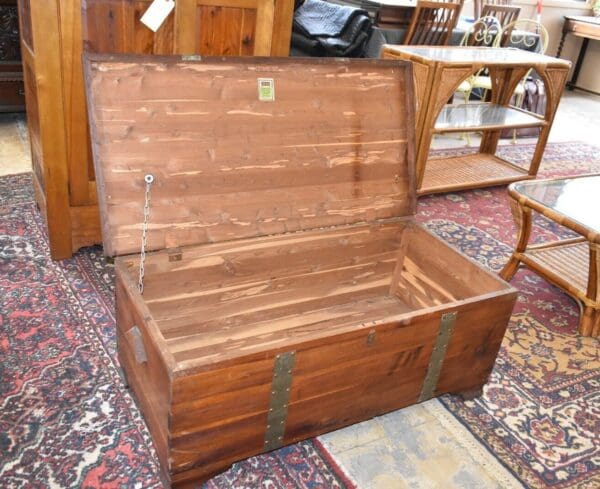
50,107
216,132
282,33
75,110
86,225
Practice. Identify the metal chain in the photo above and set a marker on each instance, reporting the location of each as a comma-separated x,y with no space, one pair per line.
149,179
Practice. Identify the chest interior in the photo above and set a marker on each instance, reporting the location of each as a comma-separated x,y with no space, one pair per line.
220,301
282,203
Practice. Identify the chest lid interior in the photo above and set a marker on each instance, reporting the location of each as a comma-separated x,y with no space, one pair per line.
246,147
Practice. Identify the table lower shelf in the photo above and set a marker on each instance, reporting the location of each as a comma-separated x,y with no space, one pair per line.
469,171
566,265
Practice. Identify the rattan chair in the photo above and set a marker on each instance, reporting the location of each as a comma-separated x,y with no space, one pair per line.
479,4
432,23
505,14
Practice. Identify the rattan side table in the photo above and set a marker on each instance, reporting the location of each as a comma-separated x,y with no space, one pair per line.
571,264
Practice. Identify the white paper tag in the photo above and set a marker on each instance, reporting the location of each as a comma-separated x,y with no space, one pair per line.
266,89
157,12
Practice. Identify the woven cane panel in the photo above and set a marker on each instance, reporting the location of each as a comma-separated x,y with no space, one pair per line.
468,170
570,262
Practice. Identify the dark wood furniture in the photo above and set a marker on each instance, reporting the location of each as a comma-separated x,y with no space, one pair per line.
432,23
12,91
571,264
52,35
289,290
479,5
438,71
505,14
394,14
585,27
390,14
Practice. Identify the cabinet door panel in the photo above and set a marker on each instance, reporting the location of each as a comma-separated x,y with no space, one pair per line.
114,26
225,27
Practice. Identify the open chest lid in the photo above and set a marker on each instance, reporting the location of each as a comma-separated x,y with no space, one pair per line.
245,147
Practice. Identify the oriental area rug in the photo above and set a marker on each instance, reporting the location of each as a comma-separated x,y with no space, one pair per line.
67,420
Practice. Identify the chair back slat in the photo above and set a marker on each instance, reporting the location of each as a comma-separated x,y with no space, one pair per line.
479,4
504,13
432,23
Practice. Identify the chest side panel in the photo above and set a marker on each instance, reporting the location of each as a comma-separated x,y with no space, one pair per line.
332,146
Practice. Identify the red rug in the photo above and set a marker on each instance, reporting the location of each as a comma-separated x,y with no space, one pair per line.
540,412
66,419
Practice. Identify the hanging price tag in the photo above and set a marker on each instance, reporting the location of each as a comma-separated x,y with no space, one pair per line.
157,12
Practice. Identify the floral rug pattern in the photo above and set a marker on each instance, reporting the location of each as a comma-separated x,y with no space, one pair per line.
66,418
540,412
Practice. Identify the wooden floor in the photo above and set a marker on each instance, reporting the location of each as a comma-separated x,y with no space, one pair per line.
229,298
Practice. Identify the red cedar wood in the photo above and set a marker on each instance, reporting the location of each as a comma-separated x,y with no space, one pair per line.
279,141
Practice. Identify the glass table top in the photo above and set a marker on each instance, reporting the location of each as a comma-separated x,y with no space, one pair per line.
487,55
575,198
481,116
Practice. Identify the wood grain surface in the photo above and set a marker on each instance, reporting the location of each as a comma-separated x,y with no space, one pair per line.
289,230
330,149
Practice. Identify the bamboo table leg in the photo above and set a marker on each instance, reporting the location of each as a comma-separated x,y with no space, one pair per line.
522,217
589,323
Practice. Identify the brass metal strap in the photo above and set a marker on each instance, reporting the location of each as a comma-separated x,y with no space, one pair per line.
280,394
437,356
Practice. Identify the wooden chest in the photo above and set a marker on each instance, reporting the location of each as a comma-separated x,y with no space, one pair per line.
288,290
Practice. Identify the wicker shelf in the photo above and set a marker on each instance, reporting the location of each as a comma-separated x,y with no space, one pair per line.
437,72
566,265
481,116
469,171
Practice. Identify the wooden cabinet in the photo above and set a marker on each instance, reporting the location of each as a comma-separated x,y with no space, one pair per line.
12,94
53,33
